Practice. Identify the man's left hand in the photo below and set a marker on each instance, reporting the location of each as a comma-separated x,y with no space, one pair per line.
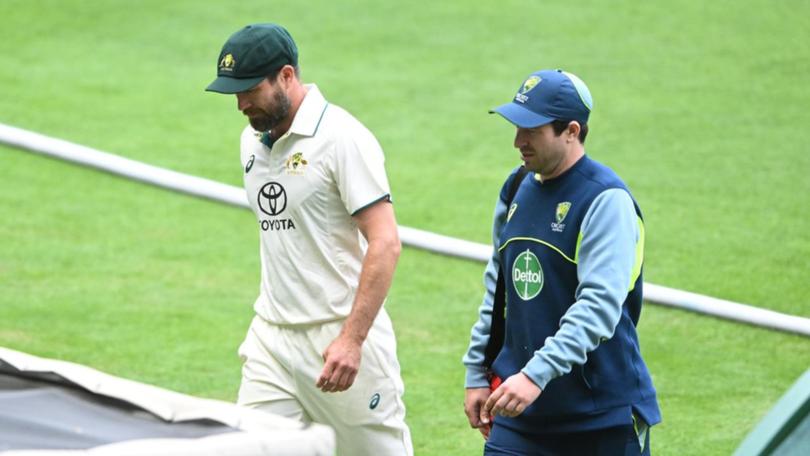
513,396
341,361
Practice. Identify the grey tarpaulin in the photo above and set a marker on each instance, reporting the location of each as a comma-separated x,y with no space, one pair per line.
58,408
71,418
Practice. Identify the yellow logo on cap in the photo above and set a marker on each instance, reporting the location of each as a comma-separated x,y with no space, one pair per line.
227,63
530,83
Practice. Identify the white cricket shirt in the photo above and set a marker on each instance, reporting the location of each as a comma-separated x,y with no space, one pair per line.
304,191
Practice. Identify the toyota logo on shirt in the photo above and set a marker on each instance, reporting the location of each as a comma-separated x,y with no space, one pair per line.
272,198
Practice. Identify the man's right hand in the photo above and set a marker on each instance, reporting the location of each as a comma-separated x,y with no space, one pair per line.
474,400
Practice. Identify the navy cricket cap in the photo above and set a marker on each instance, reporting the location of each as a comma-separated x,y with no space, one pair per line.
546,96
252,54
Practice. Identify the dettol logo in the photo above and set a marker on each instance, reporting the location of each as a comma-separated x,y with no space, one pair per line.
527,275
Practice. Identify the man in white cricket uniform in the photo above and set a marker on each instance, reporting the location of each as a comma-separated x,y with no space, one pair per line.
321,347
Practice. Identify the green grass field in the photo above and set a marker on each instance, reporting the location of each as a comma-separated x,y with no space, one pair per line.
700,107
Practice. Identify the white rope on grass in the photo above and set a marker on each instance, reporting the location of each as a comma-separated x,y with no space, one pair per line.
228,194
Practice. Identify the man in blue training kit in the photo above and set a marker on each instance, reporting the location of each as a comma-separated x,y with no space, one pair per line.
569,243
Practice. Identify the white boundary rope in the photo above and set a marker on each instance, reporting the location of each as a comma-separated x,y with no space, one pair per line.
37,143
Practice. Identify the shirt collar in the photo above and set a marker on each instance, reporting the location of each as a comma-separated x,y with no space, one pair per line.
310,113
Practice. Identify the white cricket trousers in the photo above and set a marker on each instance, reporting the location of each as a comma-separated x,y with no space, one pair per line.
282,363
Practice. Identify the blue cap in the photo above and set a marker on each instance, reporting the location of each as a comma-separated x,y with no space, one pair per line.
546,96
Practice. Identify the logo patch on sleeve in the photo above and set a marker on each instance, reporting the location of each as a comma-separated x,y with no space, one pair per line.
511,211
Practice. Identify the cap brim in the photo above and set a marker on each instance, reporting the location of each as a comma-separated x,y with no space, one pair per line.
520,116
224,84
